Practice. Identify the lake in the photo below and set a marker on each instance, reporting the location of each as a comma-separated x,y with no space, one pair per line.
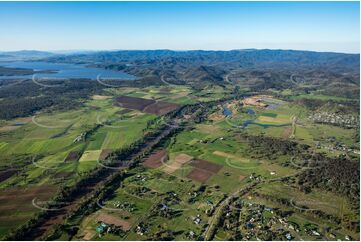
64,71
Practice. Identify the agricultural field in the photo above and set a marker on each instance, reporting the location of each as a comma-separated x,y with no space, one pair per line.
176,192
196,161
57,148
180,189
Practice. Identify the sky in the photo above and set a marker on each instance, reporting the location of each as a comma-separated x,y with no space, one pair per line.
319,26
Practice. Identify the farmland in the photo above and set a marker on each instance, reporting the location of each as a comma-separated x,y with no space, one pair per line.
172,157
189,180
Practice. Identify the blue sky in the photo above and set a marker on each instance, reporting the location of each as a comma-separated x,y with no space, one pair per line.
321,26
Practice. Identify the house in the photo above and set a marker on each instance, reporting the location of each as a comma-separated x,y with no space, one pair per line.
314,232
140,229
333,236
269,209
102,227
79,138
197,221
191,234
288,236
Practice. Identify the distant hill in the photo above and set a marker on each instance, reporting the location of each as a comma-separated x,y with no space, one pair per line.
241,58
27,53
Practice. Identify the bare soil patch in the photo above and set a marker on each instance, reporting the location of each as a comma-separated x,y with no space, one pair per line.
20,199
155,159
105,153
199,175
160,108
109,219
145,105
241,177
178,162
9,128
257,101
206,166
231,156
273,120
64,174
286,133
136,103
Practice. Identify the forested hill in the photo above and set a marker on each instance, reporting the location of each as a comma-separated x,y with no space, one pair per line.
243,58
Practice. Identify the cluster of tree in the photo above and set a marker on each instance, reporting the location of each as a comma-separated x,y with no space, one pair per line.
244,58
272,147
26,98
334,106
338,175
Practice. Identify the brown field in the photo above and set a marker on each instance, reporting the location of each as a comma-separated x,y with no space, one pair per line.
73,156
136,103
145,105
105,154
160,108
231,156
109,219
273,120
16,204
64,174
178,162
286,133
24,120
21,197
206,166
199,175
241,177
9,128
155,159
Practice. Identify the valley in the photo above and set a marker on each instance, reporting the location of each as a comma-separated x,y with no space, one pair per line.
192,149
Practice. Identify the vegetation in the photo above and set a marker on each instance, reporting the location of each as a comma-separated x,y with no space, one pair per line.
283,167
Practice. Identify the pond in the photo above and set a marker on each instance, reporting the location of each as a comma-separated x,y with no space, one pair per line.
249,122
227,112
251,111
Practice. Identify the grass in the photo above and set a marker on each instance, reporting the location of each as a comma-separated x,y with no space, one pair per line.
272,115
121,130
90,155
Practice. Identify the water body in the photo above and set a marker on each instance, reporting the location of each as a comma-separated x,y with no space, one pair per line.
251,111
64,71
251,122
227,112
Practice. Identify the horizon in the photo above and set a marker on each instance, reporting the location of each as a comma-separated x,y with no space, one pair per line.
71,51
180,26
